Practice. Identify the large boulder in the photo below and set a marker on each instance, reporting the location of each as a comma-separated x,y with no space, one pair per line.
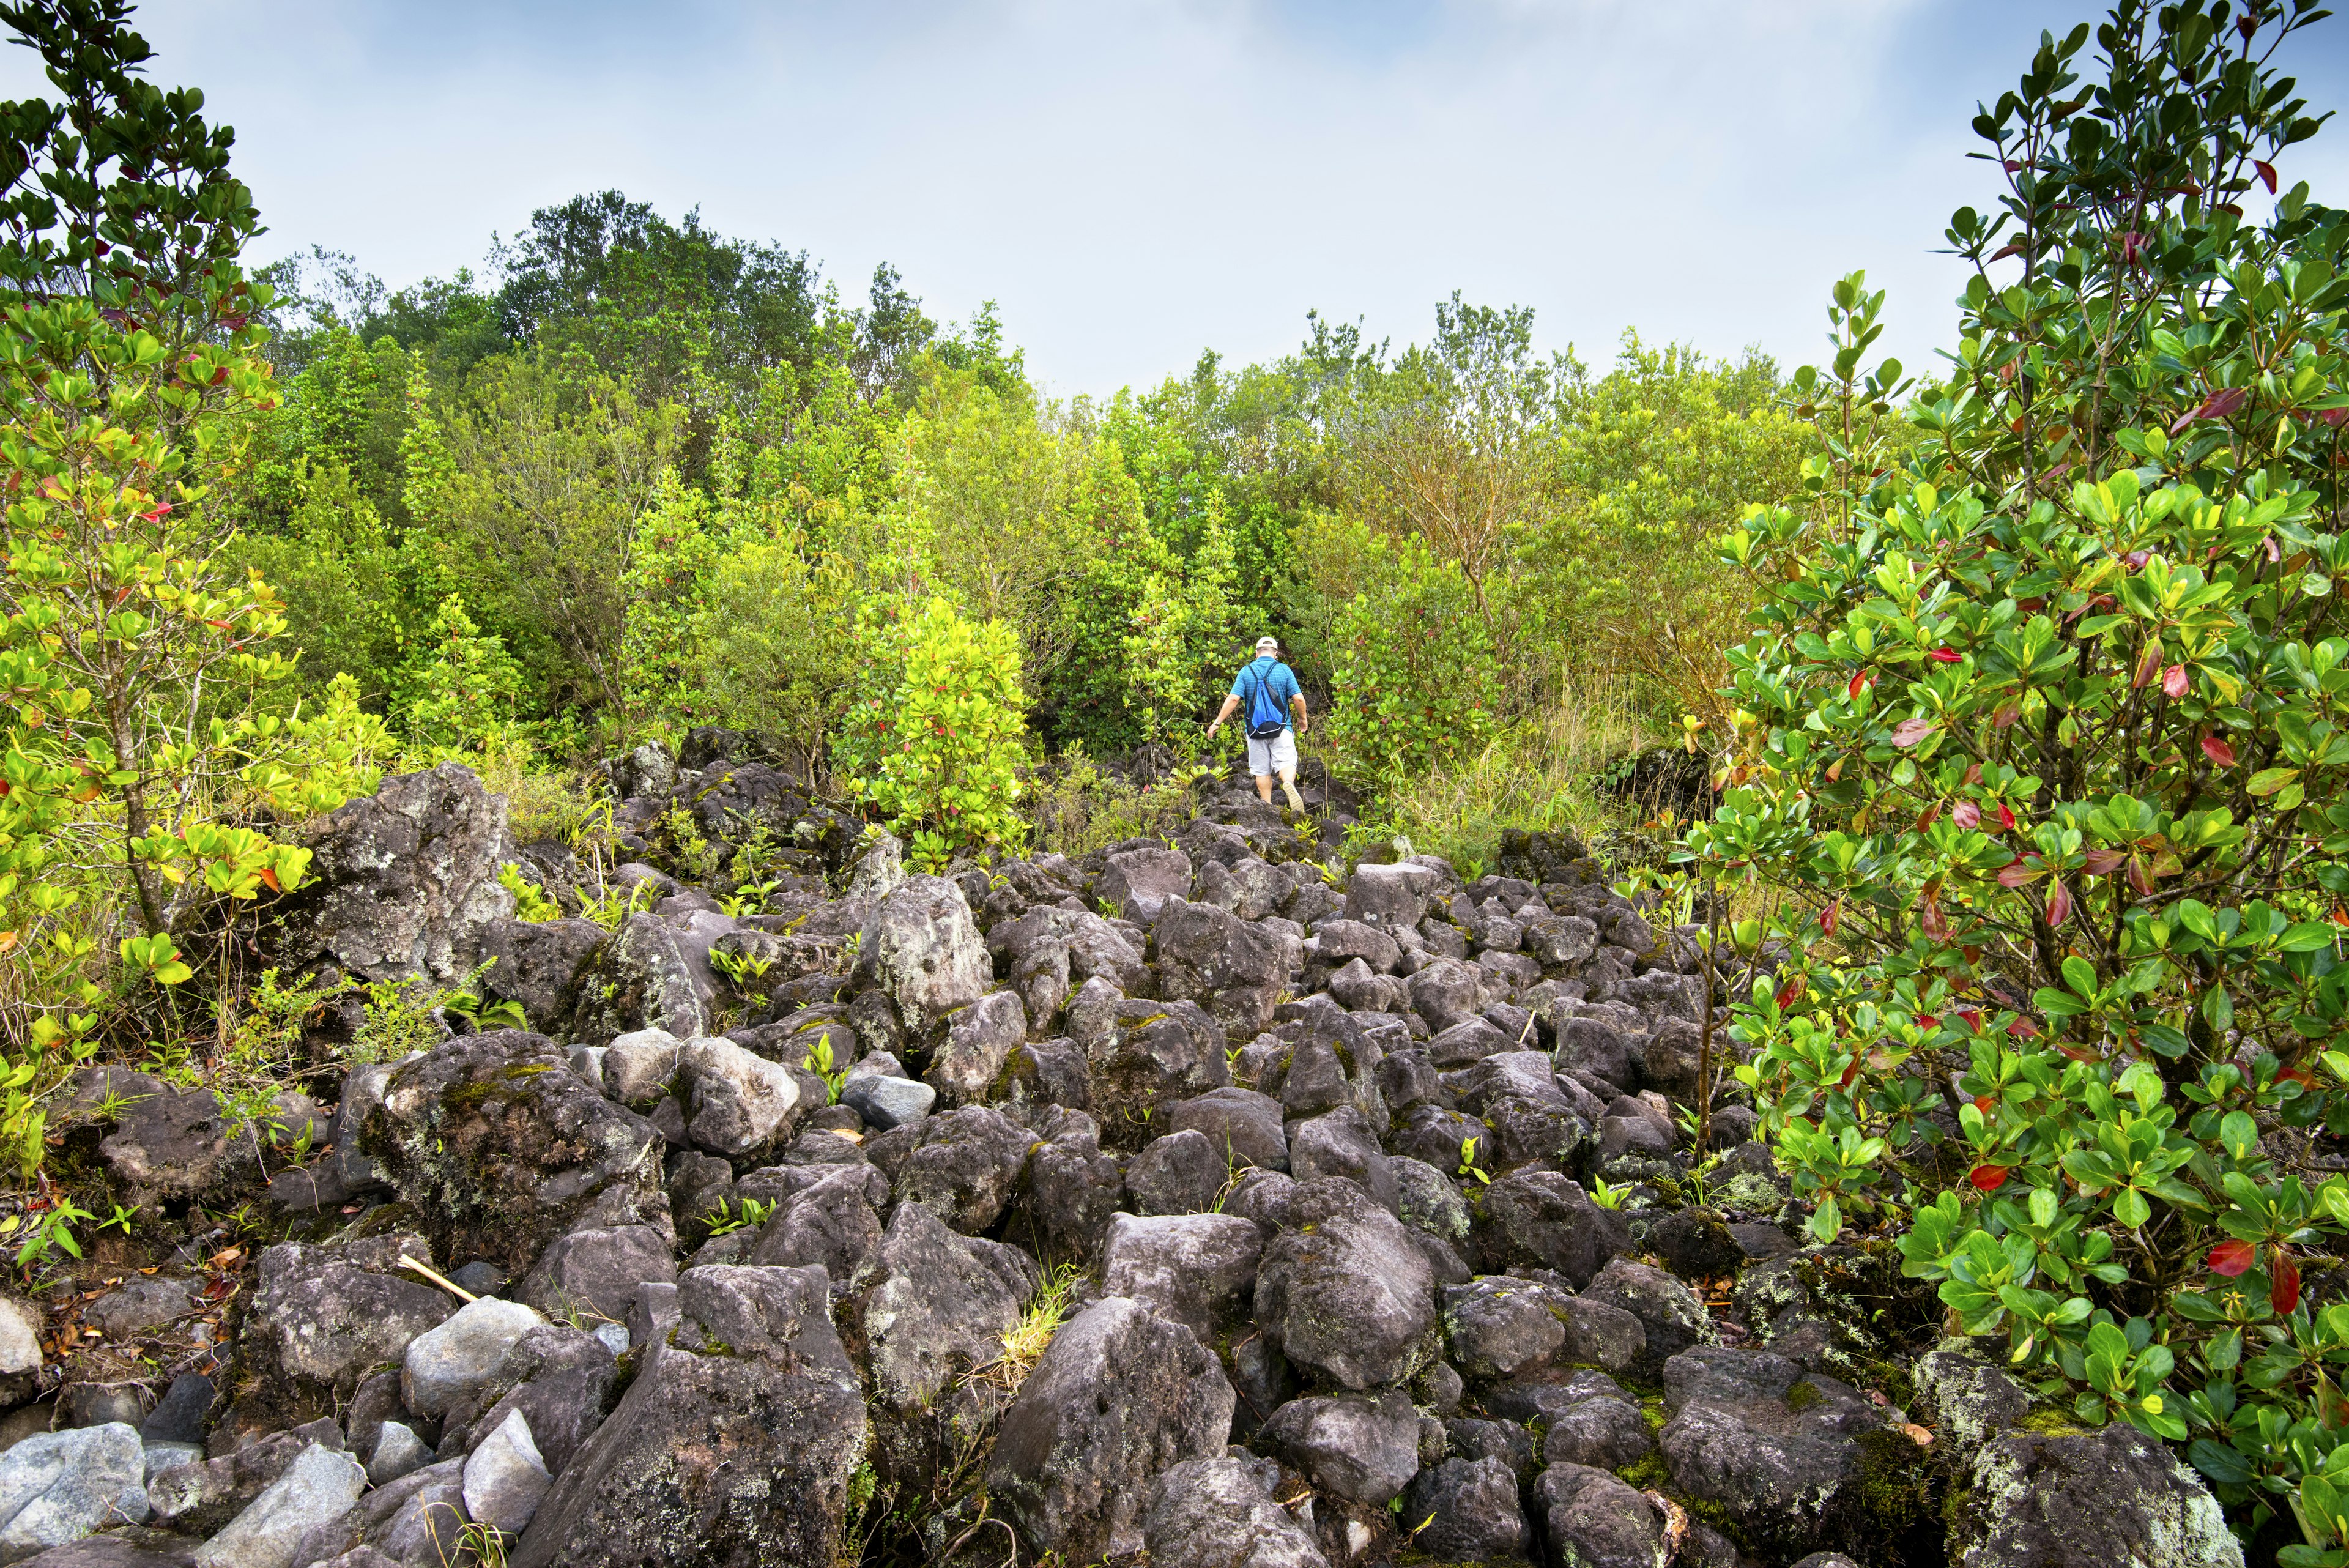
922,949
1595,1520
1501,1328
448,1366
833,1220
1193,1268
500,1147
1467,1512
1221,1513
1671,1315
320,1319
644,978
939,1305
1243,1126
1794,1459
1362,1449
596,1269
317,1488
1143,1057
2113,1498
1120,1396
1137,882
1070,1190
57,1487
1347,1295
1541,1219
540,966
1446,994
403,883
1233,969
1048,949
980,1038
1390,898
733,1446
966,1166
735,1102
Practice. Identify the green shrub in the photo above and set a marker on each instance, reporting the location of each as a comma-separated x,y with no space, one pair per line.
462,692
943,751
2044,739
1415,678
780,651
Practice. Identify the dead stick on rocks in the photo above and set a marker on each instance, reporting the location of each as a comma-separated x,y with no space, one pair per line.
459,1291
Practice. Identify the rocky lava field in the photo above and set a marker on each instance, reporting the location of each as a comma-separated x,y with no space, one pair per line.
1187,1204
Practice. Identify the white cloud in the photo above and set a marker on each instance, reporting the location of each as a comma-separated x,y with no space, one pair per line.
1134,181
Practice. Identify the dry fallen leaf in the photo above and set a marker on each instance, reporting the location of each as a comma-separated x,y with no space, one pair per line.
1920,1436
1676,1522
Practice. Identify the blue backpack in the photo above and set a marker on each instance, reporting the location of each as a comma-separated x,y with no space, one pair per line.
1266,719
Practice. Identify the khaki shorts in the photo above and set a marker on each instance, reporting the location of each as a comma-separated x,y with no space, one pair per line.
1278,755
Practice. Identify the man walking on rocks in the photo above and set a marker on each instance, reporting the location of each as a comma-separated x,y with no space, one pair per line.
1269,688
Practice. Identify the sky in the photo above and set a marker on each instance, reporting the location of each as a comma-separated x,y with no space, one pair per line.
1134,181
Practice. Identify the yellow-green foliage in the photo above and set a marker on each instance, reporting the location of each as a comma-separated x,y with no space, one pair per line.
942,751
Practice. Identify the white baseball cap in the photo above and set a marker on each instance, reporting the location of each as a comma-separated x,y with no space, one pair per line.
1268,645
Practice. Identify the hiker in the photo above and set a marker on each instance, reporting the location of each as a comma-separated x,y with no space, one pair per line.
1269,688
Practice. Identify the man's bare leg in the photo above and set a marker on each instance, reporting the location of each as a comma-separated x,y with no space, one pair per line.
1264,788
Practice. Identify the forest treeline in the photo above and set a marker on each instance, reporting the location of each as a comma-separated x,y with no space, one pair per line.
645,476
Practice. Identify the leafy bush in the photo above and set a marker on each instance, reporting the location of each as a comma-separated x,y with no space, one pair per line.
1179,654
1416,674
2043,729
781,656
943,751
133,660
462,692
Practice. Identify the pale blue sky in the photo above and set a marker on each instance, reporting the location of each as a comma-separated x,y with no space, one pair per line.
1134,179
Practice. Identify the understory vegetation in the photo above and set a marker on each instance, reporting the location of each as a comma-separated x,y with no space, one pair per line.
2018,687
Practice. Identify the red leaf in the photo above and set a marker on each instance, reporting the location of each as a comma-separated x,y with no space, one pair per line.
2221,404
1973,775
1790,993
2017,873
2218,750
2148,667
2336,417
1966,814
2023,1029
269,880
2104,862
1972,1017
1945,656
2267,171
1908,732
1829,916
2007,715
1930,917
2140,877
2006,819
1983,1103
2173,682
1848,1075
1859,683
2283,1285
1988,1177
